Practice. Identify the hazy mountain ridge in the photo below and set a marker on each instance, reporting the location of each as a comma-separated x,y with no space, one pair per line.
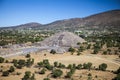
109,19
24,26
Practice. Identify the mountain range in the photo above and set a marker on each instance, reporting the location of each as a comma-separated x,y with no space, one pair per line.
104,20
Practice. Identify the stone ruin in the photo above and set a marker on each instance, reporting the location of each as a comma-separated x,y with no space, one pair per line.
61,41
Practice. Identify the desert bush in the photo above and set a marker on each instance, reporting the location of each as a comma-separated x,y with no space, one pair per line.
117,71
5,73
48,66
55,64
81,48
68,75
29,62
105,52
87,65
28,56
52,51
6,61
46,79
28,76
72,50
12,69
89,46
78,53
89,76
40,64
117,77
42,71
57,73
1,59
69,66
79,66
61,65
102,66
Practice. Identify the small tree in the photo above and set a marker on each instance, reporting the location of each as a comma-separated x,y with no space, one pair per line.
6,61
12,69
55,64
105,52
79,66
61,65
81,48
1,59
95,51
89,46
118,71
21,63
46,79
40,64
68,75
89,65
42,71
69,66
71,49
74,66
89,76
46,61
52,51
27,75
29,62
78,43
57,73
5,73
78,53
28,56
117,77
72,70
102,66
109,51
33,77
48,66
14,61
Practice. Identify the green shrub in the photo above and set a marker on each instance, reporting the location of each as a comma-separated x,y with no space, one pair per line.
117,77
57,73
1,59
105,52
27,75
52,51
69,75
28,56
78,53
5,73
46,79
102,66
79,66
40,64
12,69
42,71
55,64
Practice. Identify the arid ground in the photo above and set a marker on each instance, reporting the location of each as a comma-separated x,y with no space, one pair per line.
66,59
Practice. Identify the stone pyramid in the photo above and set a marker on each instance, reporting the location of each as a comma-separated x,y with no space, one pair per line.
63,39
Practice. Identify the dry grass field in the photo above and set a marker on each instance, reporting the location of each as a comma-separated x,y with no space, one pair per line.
66,59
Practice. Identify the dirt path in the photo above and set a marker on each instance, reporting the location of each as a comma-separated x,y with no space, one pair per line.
110,61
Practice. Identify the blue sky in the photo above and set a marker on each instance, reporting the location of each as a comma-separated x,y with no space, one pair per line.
15,12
